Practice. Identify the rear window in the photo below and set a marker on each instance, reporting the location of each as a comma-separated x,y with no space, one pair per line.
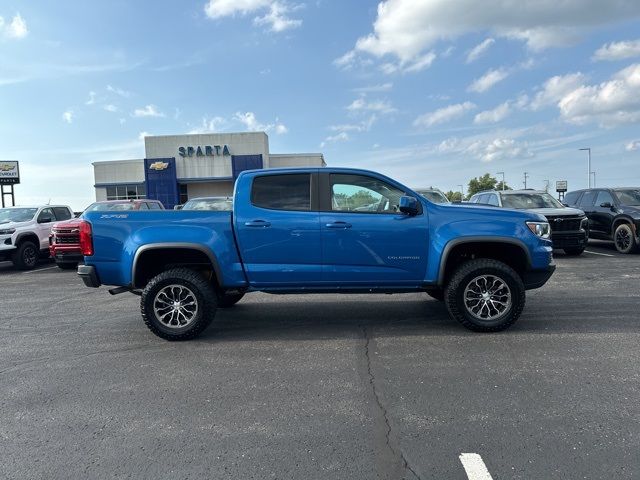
588,198
571,198
282,192
62,213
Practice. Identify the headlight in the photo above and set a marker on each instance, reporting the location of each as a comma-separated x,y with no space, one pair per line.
540,229
584,223
8,231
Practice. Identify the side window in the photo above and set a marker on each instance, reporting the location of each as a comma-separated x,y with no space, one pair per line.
46,215
154,206
143,206
362,194
588,198
571,198
474,199
604,197
62,213
484,198
493,200
282,192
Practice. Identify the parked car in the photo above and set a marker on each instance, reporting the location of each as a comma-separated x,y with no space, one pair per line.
219,204
614,214
24,232
285,236
433,195
64,240
569,226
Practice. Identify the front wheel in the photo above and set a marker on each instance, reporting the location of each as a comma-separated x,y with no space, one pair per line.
26,256
485,295
624,238
178,304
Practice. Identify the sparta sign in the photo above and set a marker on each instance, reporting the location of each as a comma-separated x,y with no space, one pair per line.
9,173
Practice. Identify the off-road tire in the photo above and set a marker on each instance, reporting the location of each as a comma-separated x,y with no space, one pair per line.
202,290
574,252
454,294
228,300
622,229
26,256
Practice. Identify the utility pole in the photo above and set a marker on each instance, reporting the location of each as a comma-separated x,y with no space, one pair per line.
461,192
526,175
546,186
501,173
588,149
594,179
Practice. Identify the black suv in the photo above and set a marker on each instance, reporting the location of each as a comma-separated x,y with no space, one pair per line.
614,214
569,226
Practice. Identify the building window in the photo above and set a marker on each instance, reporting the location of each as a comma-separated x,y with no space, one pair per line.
184,196
126,192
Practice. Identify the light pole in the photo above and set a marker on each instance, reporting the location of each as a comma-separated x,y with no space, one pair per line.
501,173
526,175
461,193
594,179
588,149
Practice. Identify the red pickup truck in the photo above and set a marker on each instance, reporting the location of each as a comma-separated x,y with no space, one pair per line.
64,240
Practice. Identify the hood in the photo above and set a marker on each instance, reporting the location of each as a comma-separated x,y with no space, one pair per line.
7,225
631,210
475,209
71,223
558,212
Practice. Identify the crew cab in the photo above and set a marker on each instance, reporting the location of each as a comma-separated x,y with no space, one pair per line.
569,226
614,214
64,240
296,231
24,232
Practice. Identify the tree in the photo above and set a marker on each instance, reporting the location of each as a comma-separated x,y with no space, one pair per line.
485,182
454,196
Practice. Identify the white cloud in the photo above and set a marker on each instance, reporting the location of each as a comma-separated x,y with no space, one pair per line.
16,29
141,135
251,123
118,91
610,103
383,87
556,88
443,115
67,116
275,12
340,137
499,149
211,125
420,63
618,51
495,115
479,50
363,105
406,29
148,111
92,98
632,146
488,80
110,108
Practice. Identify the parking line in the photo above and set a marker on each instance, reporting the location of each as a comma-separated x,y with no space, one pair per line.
41,269
598,253
474,466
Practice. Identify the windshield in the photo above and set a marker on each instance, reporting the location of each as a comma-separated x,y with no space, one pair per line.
108,207
434,196
523,201
217,204
16,214
628,196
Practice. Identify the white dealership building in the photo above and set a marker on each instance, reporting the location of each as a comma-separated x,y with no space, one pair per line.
179,167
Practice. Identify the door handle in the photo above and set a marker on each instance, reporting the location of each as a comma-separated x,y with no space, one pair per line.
258,223
342,225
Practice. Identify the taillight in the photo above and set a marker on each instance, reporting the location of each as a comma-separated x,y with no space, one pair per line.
86,239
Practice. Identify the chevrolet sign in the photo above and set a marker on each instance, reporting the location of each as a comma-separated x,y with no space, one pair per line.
158,166
9,173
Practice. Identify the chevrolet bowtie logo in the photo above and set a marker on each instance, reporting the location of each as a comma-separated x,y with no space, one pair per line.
5,167
158,166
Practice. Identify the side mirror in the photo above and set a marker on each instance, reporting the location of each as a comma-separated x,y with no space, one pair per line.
606,205
45,220
408,205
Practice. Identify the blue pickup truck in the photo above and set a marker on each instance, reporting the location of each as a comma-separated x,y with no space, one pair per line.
318,230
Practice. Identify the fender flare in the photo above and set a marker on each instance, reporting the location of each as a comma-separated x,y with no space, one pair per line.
480,239
176,245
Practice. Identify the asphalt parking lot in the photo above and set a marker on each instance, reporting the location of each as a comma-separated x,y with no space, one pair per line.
323,386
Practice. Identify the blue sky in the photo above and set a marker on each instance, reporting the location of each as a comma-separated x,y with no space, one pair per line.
431,92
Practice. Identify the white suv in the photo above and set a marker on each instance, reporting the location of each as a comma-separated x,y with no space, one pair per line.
24,232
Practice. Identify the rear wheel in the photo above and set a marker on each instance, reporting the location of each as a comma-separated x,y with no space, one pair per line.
26,256
178,304
226,300
574,251
485,295
624,239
